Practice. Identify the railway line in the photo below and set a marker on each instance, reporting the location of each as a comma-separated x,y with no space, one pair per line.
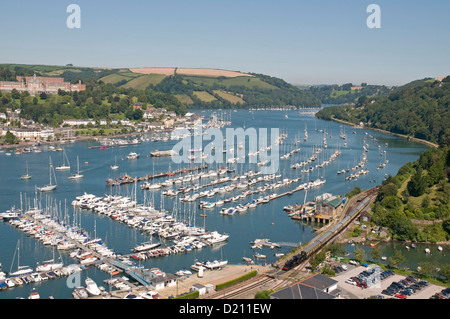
349,215
290,274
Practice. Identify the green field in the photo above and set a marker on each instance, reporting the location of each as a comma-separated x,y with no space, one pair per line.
249,82
142,82
229,97
183,98
204,96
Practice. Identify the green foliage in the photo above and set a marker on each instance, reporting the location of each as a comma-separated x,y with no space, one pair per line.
416,186
334,94
10,138
359,254
258,91
264,294
192,295
397,259
375,253
419,109
353,192
236,281
427,177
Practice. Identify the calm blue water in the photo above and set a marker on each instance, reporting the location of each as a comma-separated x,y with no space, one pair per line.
267,220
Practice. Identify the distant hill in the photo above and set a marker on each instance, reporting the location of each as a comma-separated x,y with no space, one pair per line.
346,93
195,88
419,109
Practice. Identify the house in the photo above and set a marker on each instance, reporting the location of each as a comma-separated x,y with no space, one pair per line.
77,122
48,134
148,115
165,280
316,287
137,106
321,282
200,288
126,122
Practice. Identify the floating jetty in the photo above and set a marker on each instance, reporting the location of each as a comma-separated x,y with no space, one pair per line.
125,179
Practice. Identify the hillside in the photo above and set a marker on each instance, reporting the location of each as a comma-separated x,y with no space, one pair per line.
415,204
419,109
346,93
194,88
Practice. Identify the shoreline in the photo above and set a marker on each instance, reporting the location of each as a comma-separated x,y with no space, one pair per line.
23,144
409,138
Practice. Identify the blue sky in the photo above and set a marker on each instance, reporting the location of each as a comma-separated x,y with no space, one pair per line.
304,42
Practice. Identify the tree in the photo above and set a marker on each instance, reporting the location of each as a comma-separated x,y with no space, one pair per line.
15,94
397,259
416,186
43,96
10,138
359,254
375,253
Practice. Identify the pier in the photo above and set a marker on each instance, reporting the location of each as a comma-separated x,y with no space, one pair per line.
128,179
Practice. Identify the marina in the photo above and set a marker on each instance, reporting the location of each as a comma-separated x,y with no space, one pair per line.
167,220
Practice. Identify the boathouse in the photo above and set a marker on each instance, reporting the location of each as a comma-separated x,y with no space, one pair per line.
327,210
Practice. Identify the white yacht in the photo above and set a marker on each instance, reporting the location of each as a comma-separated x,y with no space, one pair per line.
146,246
133,155
92,287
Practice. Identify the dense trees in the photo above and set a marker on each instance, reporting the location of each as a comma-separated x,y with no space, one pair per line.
425,197
335,94
419,109
277,93
99,101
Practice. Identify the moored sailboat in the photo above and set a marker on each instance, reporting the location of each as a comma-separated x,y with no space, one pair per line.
50,186
65,166
27,176
77,175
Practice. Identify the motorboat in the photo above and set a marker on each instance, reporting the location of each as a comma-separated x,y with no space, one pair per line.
133,155
146,246
92,287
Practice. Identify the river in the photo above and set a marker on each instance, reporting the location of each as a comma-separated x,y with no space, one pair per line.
265,221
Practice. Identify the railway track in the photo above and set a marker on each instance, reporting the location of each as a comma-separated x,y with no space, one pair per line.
240,289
